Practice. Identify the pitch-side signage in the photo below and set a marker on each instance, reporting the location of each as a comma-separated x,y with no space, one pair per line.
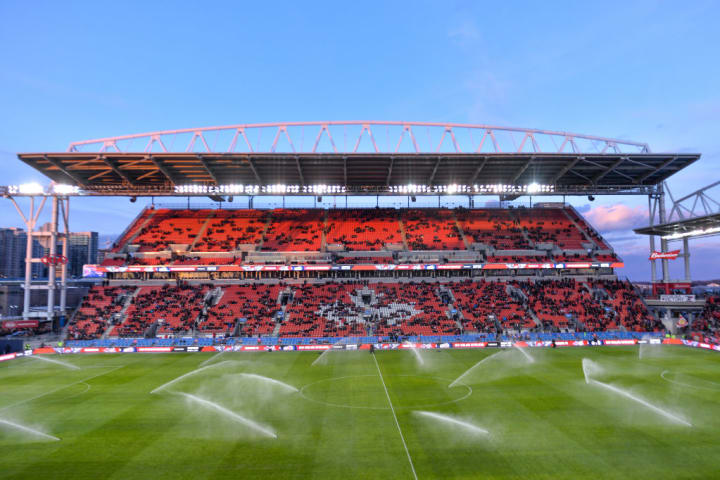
672,255
677,298
10,324
100,270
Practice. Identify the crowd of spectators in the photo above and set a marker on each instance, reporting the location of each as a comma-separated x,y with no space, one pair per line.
360,308
707,324
177,307
363,229
489,307
359,229
227,230
434,229
167,227
564,305
97,311
294,230
630,310
254,306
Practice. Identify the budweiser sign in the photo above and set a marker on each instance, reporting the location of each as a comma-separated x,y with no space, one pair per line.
664,255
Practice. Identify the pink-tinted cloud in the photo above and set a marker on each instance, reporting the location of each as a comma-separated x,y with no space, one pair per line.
617,217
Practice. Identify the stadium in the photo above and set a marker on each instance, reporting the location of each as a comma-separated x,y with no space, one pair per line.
362,299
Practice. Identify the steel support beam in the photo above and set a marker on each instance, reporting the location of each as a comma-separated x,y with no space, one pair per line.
115,167
609,169
522,170
52,266
434,171
30,221
663,242
652,210
389,173
686,251
164,170
207,168
299,169
65,210
661,167
79,181
478,170
564,170
254,170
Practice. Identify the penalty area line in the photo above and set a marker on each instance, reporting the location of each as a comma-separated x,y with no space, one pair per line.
397,424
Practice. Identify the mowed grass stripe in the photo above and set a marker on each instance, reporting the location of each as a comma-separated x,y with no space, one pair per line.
397,424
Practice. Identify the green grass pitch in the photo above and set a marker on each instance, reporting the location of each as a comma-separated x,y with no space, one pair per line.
543,421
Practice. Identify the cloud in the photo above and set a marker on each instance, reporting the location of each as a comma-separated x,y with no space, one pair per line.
583,208
465,32
617,217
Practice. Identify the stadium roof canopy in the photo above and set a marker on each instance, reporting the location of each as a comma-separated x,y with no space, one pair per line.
697,214
359,157
692,227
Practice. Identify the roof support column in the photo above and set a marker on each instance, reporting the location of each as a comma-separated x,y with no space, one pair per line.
686,252
28,259
652,204
65,207
663,242
30,222
52,264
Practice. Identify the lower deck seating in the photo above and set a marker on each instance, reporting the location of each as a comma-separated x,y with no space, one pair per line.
175,307
707,324
630,310
96,311
361,308
253,306
485,306
563,304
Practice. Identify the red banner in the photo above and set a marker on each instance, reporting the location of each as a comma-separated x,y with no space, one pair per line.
154,349
10,324
672,255
8,356
620,342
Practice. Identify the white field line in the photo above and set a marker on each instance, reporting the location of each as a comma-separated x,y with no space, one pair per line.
7,407
397,424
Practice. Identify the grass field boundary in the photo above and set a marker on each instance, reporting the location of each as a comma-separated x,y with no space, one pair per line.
397,424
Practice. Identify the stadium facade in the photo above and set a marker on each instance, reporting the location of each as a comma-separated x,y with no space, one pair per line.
308,273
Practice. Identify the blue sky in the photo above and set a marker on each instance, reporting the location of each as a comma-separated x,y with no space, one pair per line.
644,71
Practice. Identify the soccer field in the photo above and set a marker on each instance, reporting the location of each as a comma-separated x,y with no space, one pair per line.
358,415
